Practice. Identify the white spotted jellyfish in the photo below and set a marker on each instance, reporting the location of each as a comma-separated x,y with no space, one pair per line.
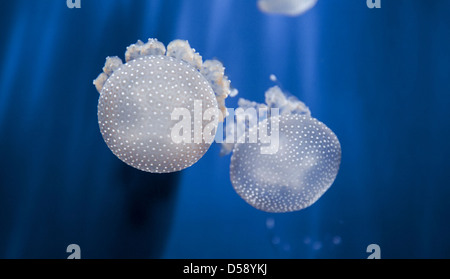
303,166
138,99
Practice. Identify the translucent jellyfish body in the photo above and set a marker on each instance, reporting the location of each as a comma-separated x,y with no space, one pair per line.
142,101
303,167
286,7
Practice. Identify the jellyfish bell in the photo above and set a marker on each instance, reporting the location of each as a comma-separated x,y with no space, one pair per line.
293,178
299,173
140,103
286,7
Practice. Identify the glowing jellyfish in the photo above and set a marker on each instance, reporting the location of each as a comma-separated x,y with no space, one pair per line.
300,171
286,7
140,104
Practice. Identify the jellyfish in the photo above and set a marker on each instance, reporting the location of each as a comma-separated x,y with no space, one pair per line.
286,7
142,101
304,166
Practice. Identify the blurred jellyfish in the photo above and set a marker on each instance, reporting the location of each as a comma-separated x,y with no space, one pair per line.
337,240
142,101
299,172
270,223
307,240
317,245
286,7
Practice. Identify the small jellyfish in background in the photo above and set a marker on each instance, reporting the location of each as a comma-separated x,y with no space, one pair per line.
303,167
142,100
286,7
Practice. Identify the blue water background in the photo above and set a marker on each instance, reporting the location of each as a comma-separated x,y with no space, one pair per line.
379,78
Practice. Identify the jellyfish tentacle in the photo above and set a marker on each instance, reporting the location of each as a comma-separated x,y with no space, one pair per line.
139,49
180,49
214,72
276,98
99,82
133,51
153,47
111,64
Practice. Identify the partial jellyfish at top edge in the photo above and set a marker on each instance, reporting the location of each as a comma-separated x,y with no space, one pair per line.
286,7
304,164
142,100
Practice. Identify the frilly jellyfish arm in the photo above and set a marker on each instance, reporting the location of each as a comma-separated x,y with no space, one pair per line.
139,49
181,50
275,98
99,82
286,7
214,72
111,64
